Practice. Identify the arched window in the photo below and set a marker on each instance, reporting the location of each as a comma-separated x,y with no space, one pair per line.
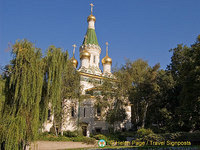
72,111
98,111
49,114
84,112
94,59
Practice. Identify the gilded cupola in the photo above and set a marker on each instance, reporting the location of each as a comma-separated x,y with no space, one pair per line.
106,59
84,53
74,61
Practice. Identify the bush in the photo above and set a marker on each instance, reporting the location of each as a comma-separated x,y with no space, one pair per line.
70,133
88,140
148,135
100,136
143,132
183,136
84,139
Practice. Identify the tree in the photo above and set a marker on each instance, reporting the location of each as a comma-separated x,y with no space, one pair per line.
20,114
144,89
186,71
31,84
112,99
61,82
2,92
161,112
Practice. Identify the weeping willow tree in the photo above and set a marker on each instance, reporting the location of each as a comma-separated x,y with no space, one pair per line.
32,85
2,92
61,81
20,114
51,98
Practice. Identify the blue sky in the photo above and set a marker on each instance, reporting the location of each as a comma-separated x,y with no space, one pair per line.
145,29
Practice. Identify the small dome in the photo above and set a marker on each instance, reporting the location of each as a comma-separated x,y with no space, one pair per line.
106,60
91,17
84,54
74,62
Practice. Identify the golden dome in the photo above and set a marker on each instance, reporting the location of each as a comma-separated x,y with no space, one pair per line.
91,17
84,54
106,60
74,62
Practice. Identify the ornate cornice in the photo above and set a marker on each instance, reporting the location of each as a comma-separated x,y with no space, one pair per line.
90,46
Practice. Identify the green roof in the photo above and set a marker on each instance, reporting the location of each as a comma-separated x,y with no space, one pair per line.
91,37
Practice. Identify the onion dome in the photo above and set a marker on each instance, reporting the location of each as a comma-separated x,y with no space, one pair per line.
106,59
84,54
91,17
74,62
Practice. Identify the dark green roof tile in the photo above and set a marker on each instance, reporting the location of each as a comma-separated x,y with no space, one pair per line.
91,37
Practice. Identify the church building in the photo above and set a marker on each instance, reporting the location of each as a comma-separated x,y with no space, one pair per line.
84,114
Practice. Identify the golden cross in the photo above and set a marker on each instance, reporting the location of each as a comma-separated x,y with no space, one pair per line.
74,46
92,5
106,48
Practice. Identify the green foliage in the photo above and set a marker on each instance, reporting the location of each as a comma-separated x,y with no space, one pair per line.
143,132
61,82
117,113
2,93
52,137
84,139
183,136
32,86
113,100
185,69
100,136
54,64
20,115
70,133
143,89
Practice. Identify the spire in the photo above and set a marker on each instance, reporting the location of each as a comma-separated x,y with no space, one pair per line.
91,35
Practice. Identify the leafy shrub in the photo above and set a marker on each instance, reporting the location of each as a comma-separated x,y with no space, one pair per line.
143,132
100,136
70,133
84,139
183,136
88,140
148,135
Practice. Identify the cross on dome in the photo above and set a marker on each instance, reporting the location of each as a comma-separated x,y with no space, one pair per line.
74,46
92,5
106,48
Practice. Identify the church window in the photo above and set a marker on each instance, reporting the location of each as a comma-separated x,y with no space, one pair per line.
94,59
72,111
49,114
84,111
98,111
98,130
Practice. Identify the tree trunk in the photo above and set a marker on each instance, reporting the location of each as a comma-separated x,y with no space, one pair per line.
145,114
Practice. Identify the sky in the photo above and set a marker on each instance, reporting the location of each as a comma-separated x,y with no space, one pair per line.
134,29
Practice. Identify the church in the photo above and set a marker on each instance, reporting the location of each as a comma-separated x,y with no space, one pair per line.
84,114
